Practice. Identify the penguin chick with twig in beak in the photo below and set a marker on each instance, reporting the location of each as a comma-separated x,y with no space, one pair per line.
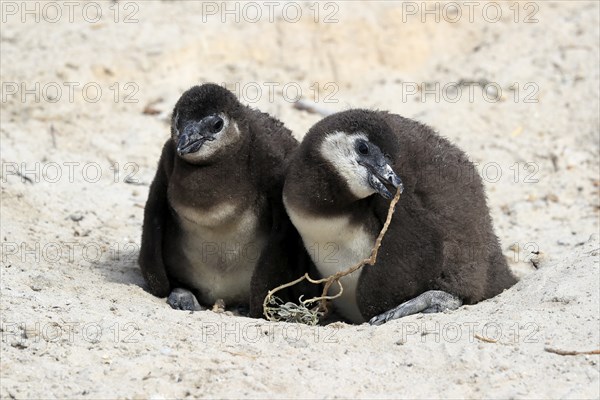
440,250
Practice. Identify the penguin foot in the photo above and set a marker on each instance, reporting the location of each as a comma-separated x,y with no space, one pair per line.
432,301
182,299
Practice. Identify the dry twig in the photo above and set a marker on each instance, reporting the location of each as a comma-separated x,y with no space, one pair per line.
485,339
312,108
570,352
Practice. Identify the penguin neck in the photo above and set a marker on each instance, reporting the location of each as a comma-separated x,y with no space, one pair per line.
227,180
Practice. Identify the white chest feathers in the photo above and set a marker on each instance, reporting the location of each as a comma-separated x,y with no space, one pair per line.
219,250
334,244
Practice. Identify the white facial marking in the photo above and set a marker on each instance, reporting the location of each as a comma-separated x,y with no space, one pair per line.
339,149
335,245
224,138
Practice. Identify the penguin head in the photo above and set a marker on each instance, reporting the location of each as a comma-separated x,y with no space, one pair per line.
204,123
355,144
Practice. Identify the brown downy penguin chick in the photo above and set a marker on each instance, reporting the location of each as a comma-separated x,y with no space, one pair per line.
440,250
214,211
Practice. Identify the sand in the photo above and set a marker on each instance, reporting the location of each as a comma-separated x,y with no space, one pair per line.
84,113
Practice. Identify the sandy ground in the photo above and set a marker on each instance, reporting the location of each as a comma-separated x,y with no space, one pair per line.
75,319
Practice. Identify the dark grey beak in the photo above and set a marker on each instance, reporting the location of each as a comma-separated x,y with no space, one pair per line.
382,175
196,133
189,143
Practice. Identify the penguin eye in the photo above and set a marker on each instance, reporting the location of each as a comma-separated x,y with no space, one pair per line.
363,148
217,125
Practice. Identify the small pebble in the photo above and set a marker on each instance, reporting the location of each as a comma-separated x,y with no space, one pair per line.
76,217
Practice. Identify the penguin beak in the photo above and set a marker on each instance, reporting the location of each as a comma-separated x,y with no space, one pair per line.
195,134
380,175
189,143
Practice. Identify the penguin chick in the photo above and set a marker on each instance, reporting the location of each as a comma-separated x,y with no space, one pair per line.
440,250
214,210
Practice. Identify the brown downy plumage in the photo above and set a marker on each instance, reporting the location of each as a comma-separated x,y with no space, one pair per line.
214,223
441,237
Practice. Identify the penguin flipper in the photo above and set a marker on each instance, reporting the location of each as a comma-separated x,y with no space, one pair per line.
265,277
183,299
282,262
155,214
432,301
272,267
